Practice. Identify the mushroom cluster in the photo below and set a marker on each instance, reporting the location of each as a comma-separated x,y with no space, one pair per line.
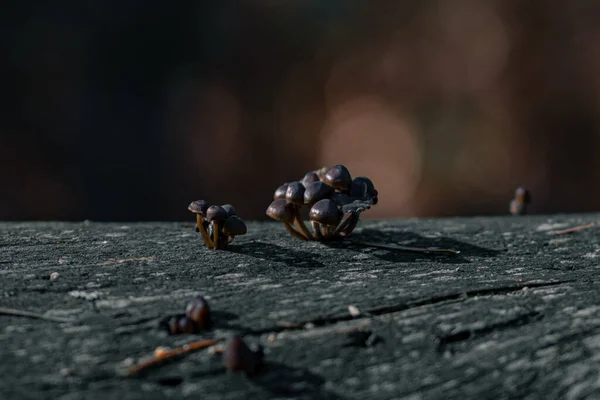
335,200
217,224
197,318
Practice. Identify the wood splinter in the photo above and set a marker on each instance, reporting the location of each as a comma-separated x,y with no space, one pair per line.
164,355
574,229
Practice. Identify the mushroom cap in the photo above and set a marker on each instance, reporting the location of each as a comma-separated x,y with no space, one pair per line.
230,209
341,198
234,226
198,207
358,189
216,213
186,325
281,210
371,192
280,192
338,177
295,193
237,355
317,191
325,212
309,178
198,311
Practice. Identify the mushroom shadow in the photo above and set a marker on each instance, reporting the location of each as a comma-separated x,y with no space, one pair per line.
414,240
273,252
282,380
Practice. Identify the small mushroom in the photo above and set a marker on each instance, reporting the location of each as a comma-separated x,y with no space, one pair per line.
341,199
280,192
309,178
317,191
281,210
186,325
348,223
295,196
173,326
230,210
217,215
237,357
199,207
325,213
518,206
370,192
198,311
338,177
234,226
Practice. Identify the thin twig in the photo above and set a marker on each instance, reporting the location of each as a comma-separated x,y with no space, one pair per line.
168,354
574,229
28,314
425,250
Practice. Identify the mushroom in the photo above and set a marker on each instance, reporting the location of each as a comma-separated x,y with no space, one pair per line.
229,209
316,191
186,325
338,177
295,196
217,215
281,210
369,192
348,222
199,207
280,192
309,178
237,356
340,198
326,213
518,206
198,311
233,227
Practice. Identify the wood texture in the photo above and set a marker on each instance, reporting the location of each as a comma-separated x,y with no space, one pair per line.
515,315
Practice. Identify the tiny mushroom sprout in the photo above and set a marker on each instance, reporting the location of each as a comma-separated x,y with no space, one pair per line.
218,224
518,206
238,357
335,201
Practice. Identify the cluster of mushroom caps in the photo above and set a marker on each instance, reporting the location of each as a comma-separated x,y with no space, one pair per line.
335,200
197,318
219,225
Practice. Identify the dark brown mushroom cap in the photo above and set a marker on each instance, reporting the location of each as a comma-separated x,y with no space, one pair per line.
309,178
230,210
198,311
216,213
338,177
340,198
281,210
237,356
325,212
186,325
295,193
280,192
371,191
358,189
317,191
234,226
198,207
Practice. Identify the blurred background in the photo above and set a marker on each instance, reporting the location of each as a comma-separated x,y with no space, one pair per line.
129,110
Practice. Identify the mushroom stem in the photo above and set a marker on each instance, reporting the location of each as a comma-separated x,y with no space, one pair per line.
300,224
317,228
215,233
293,231
200,226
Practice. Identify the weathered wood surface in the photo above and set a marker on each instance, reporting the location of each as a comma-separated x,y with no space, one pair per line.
515,315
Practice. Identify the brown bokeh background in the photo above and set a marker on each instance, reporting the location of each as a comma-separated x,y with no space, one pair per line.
128,110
